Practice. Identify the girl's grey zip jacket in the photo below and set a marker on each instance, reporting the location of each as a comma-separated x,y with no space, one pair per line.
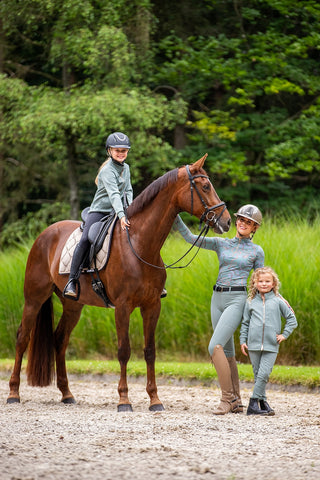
261,322
113,184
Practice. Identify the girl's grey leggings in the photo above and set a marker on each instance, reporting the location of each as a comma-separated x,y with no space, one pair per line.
262,365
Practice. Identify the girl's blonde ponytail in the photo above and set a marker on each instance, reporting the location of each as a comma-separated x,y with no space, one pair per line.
101,166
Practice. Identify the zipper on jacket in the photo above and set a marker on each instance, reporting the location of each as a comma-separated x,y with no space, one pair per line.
263,320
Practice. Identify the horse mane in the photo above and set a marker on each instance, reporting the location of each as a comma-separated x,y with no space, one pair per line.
150,192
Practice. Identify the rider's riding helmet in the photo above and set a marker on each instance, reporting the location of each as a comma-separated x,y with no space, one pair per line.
251,212
118,140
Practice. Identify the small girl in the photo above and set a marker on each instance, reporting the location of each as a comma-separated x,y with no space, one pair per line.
260,332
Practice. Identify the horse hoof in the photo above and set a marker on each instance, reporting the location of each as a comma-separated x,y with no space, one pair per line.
124,407
158,407
13,400
68,401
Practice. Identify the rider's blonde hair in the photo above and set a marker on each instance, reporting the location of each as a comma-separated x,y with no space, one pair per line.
255,277
101,166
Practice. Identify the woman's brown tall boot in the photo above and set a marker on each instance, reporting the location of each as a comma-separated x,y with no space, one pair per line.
228,398
235,384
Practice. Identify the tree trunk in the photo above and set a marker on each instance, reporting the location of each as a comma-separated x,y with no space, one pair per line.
72,177
2,43
141,30
68,80
179,137
2,47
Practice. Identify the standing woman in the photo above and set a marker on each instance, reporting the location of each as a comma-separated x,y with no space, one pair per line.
237,257
113,184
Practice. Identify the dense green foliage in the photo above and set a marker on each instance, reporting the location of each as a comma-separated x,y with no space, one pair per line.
239,80
184,327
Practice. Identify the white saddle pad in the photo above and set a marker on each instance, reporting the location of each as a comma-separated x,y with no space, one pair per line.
72,242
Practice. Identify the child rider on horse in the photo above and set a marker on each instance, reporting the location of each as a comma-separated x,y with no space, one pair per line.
113,185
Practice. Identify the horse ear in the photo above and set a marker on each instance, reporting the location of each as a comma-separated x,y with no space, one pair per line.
198,164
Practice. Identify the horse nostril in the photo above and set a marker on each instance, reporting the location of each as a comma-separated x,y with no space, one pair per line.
229,222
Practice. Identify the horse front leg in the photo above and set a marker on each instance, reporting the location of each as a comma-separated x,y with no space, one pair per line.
150,315
69,319
122,318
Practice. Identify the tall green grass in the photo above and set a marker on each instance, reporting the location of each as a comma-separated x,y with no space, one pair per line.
184,329
293,250
12,266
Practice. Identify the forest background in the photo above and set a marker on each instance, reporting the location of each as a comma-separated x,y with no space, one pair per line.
239,80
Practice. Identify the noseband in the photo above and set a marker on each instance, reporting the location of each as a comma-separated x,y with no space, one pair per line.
208,214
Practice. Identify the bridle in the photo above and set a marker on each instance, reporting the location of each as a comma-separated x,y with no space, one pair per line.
208,214
207,217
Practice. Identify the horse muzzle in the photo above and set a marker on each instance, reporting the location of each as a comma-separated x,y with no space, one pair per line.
218,222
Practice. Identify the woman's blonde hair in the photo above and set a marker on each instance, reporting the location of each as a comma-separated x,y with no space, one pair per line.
255,276
101,166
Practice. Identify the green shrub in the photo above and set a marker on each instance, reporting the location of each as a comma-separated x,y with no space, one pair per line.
32,224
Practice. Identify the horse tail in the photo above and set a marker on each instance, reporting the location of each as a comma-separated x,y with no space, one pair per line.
40,367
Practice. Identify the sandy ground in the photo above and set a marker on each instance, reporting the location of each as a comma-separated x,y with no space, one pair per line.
41,438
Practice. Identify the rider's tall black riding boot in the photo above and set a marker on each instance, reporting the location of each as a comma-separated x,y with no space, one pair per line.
70,289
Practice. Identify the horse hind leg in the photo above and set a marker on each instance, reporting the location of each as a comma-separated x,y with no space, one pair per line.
69,319
14,383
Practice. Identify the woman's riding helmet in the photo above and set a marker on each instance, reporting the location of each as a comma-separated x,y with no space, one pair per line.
118,140
251,212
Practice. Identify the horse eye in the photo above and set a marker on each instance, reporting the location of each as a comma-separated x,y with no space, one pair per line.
206,187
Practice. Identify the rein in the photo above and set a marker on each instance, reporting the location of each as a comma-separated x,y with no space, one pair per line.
207,216
203,232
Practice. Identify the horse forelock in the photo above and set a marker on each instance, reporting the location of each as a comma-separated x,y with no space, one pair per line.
150,192
199,171
203,172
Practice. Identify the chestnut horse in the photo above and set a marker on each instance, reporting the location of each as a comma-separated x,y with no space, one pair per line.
129,282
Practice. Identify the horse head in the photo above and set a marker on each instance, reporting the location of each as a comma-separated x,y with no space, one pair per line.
200,198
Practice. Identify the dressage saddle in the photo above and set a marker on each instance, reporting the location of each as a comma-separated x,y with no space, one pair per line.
97,232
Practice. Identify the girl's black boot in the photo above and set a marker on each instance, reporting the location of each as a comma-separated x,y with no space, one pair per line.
253,408
264,405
